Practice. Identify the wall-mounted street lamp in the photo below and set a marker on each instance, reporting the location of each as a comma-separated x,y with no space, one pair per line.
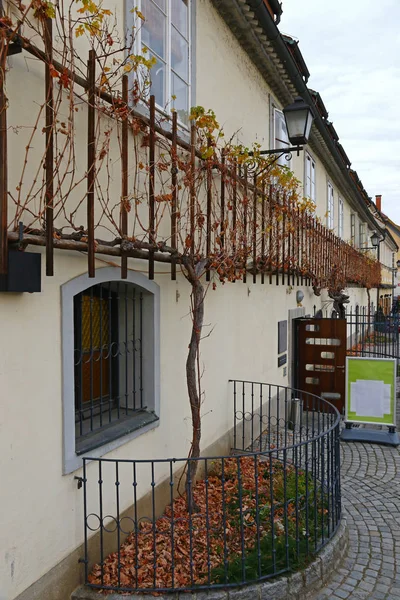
299,117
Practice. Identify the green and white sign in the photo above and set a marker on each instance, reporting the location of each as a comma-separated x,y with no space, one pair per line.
371,390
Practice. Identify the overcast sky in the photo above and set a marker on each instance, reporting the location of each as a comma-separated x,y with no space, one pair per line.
352,50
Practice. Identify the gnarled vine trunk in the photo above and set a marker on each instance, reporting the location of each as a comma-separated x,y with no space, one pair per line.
193,379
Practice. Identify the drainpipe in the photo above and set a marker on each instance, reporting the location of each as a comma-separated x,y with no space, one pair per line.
274,36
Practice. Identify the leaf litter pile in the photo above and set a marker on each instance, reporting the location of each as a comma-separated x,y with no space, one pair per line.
223,541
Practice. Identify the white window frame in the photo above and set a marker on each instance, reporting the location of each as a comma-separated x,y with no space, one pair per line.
353,229
71,460
330,213
277,142
341,218
361,234
309,184
168,62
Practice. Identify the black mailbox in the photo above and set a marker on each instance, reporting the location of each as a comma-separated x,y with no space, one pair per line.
24,272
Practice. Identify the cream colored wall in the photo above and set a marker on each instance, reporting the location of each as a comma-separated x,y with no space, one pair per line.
41,518
227,80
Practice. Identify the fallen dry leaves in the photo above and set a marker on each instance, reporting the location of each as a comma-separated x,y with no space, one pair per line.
180,550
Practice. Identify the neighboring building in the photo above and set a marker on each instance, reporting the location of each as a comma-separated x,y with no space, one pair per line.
235,61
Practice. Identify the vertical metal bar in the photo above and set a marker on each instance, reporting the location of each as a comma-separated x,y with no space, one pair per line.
101,521
234,415
263,233
298,243
286,508
172,528
118,350
207,517
277,233
252,417
134,346
223,500
85,528
110,354
91,159
234,209
49,158
284,245
245,241
126,349
272,509
136,523
125,182
257,516
118,521
255,230
91,358
261,417
243,414
174,183
100,288
153,521
208,216
141,350
240,498
192,188
222,228
81,365
152,170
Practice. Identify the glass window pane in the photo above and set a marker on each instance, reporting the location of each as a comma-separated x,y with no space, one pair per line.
157,76
153,29
181,102
160,3
179,55
179,15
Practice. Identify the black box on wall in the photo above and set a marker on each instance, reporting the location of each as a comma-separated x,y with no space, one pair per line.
24,272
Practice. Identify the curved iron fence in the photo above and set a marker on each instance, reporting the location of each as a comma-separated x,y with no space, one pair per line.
266,509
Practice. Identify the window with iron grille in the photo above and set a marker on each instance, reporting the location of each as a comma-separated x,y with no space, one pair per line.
111,362
109,346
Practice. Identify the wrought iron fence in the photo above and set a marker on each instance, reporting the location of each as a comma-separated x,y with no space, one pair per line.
372,333
264,510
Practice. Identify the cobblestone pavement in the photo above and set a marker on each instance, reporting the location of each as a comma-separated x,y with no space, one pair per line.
371,498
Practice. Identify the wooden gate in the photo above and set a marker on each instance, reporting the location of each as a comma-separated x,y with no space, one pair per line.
321,358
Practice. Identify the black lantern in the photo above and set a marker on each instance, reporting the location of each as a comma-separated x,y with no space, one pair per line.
398,264
375,239
299,117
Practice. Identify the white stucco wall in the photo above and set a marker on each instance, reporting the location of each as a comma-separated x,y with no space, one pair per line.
41,516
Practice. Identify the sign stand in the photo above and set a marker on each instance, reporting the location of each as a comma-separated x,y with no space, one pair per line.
371,400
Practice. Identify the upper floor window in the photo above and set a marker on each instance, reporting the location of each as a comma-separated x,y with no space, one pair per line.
353,231
341,218
281,137
361,234
310,177
330,223
165,35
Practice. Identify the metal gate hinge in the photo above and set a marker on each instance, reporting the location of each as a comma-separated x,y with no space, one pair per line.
80,481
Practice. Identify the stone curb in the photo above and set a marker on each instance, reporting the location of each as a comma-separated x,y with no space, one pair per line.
297,586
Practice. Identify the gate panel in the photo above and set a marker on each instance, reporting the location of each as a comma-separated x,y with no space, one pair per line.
321,358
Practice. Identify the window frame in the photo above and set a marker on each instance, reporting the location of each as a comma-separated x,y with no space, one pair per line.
341,218
277,142
353,229
167,110
310,193
330,216
72,460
